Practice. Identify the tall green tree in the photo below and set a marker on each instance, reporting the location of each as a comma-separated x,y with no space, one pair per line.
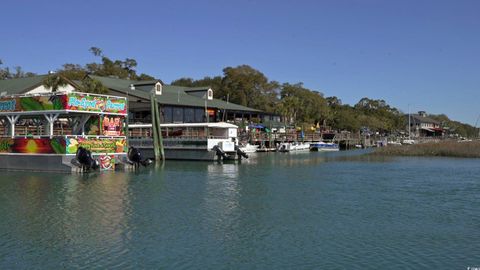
90,85
301,105
55,81
249,87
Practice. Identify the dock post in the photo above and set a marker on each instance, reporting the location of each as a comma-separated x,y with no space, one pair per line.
156,144
159,130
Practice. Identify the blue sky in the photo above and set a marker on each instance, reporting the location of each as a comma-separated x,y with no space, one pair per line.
422,54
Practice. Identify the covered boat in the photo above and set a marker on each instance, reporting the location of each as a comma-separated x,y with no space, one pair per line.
189,141
47,132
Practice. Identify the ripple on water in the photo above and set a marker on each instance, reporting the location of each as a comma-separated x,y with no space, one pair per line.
309,211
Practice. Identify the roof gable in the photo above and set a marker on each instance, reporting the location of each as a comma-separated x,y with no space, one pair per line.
21,85
171,94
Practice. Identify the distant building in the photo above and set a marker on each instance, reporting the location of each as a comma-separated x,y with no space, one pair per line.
423,126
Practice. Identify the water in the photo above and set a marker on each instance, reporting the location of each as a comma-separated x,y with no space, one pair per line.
274,211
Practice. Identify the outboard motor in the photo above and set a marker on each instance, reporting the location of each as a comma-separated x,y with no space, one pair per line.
240,153
219,152
135,157
85,160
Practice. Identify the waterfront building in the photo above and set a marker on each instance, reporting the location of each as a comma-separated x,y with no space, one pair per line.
423,126
178,104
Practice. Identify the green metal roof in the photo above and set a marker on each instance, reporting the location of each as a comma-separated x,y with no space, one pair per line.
171,94
21,85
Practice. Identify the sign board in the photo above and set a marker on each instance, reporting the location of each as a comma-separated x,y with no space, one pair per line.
71,101
107,162
96,145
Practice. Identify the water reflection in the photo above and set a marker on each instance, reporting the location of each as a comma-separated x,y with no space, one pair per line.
222,188
271,211
82,210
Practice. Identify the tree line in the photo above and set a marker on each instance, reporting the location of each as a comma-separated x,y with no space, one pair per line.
244,85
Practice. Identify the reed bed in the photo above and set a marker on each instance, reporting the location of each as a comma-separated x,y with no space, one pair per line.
466,149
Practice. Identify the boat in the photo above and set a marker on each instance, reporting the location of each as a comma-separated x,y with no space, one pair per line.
63,132
249,148
394,143
323,146
189,141
293,147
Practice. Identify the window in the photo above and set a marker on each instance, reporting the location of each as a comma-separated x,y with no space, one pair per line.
200,115
158,88
189,115
177,115
167,114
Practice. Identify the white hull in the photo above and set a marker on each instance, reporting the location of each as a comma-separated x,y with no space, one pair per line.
249,148
294,147
324,147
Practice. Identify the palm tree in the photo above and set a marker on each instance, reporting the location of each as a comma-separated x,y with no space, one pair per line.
54,81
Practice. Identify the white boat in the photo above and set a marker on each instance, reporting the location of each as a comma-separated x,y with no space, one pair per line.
323,146
408,142
249,148
394,143
293,147
188,141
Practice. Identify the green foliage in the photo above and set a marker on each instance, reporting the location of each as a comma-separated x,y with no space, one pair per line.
247,86
377,115
6,73
55,81
90,85
243,85
301,105
123,69
455,127
72,72
187,82
145,77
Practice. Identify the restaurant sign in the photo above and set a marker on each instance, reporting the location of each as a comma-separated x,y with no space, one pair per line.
96,145
72,101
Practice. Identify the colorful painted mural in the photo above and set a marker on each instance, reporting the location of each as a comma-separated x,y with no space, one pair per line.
62,145
96,145
33,145
107,162
83,102
112,125
72,101
33,103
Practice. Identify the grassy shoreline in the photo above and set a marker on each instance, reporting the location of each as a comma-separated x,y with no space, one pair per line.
439,149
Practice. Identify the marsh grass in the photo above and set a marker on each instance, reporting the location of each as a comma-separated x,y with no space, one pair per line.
439,149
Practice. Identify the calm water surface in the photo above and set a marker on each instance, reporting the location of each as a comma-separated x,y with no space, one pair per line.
273,211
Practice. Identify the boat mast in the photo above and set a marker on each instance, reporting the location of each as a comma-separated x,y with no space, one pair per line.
409,127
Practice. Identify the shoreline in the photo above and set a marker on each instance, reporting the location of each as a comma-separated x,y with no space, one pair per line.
467,149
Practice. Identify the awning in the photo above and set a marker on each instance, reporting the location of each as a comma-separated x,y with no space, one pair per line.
428,129
256,126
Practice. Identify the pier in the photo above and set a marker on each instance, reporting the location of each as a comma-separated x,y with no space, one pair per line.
346,140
